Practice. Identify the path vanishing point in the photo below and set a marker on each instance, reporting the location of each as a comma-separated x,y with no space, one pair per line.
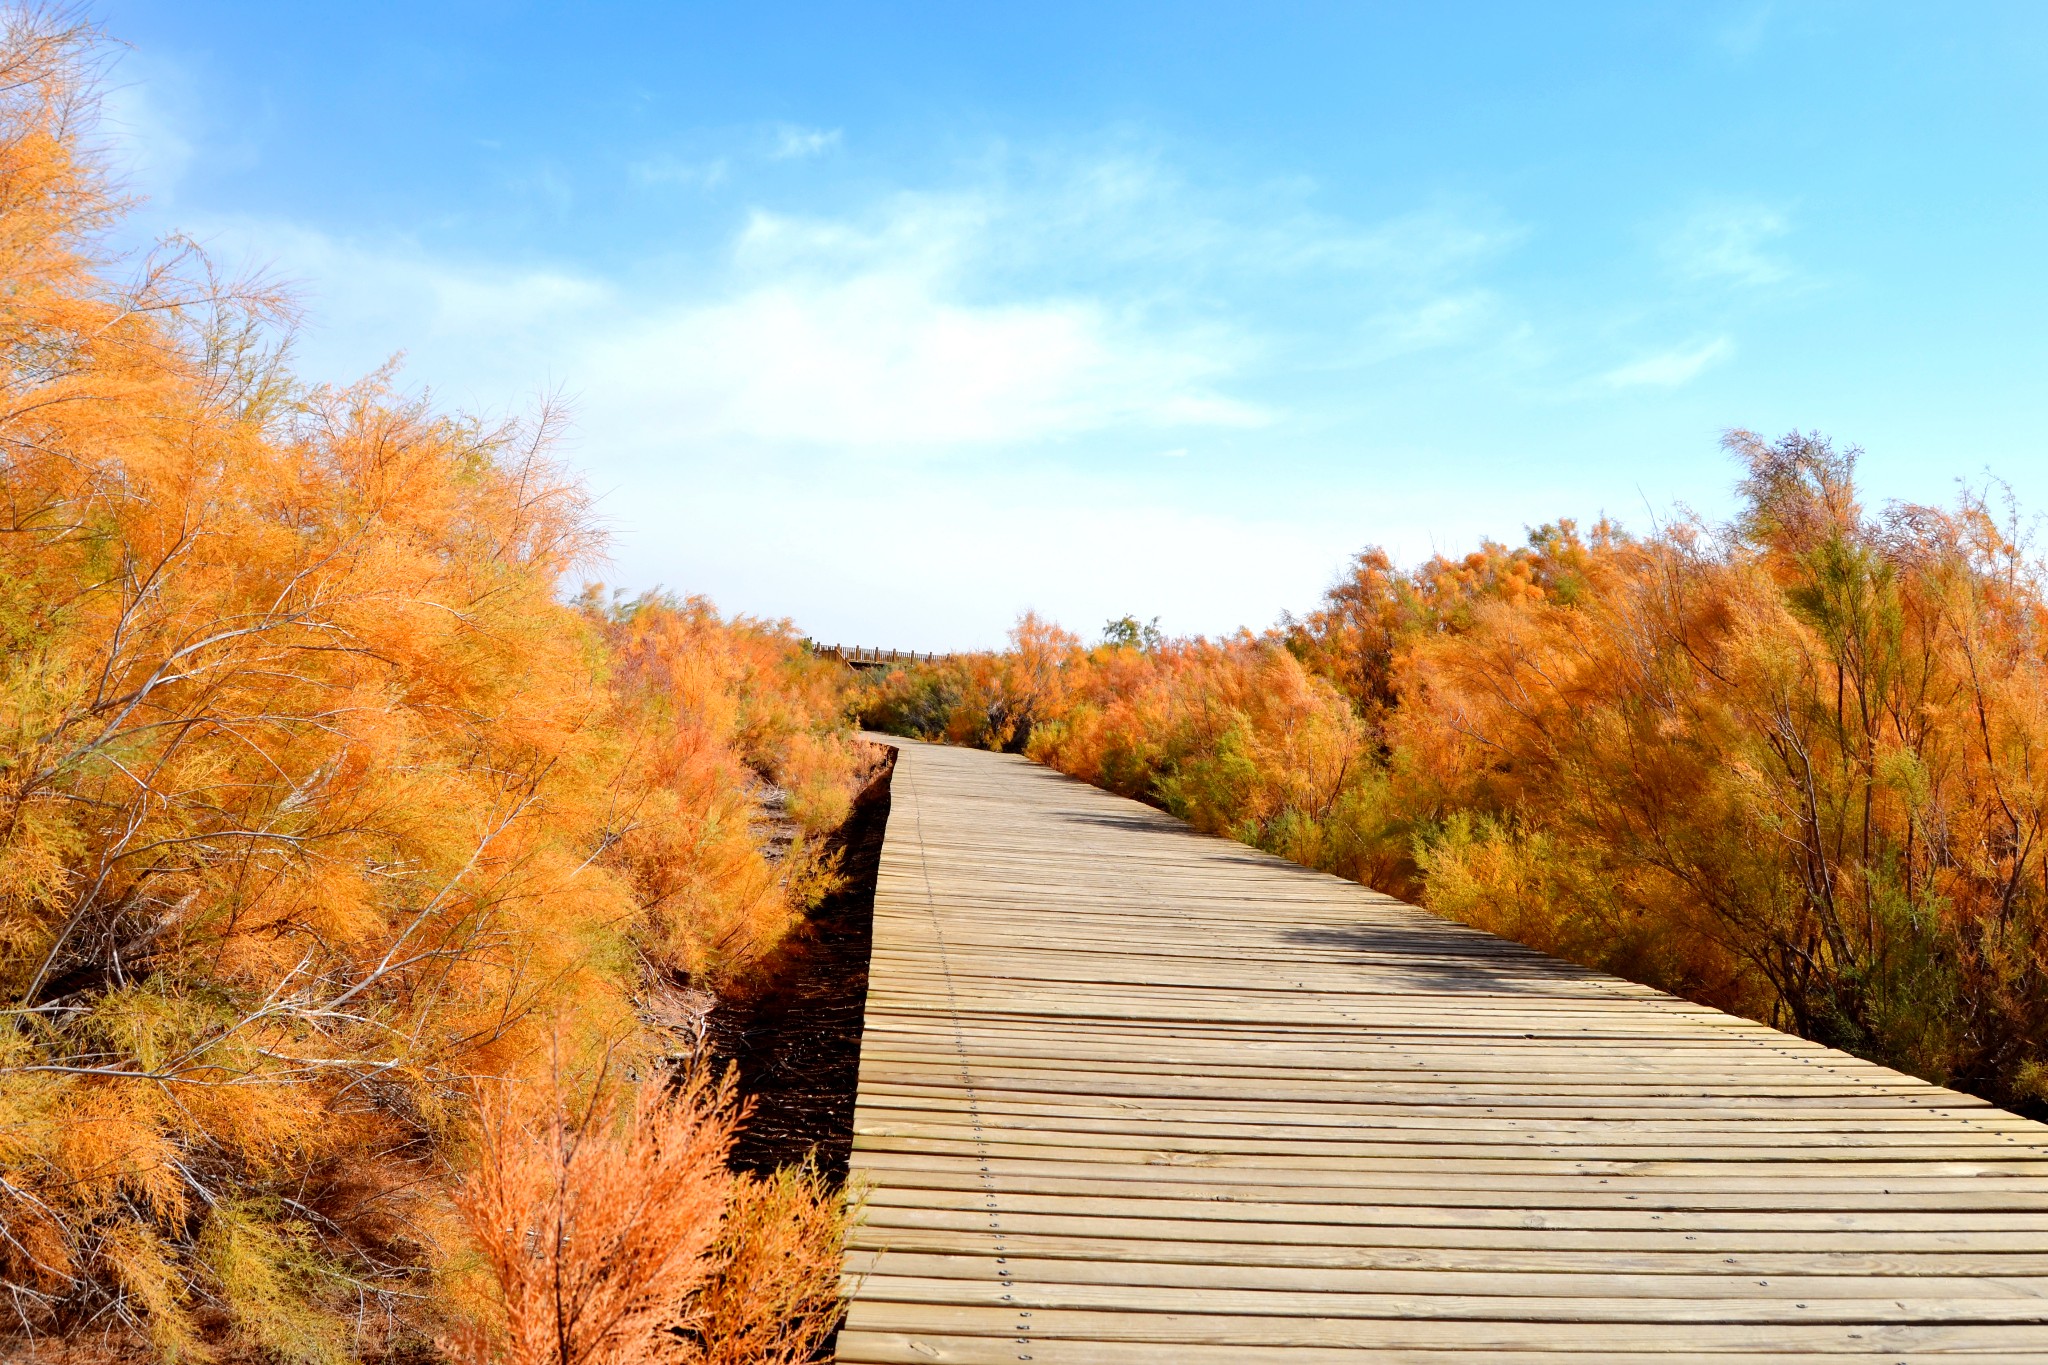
1133,1094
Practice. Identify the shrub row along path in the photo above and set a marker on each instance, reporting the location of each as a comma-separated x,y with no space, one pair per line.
1129,1093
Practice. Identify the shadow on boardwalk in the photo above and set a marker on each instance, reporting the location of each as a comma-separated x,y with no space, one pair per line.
1414,958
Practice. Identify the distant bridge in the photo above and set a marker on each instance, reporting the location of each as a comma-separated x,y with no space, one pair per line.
859,656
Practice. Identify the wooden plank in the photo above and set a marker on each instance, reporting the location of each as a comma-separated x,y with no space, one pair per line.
1373,1287
1366,1336
1312,1246
1131,1094
916,1348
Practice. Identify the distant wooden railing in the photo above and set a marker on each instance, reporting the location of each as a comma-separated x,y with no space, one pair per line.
860,656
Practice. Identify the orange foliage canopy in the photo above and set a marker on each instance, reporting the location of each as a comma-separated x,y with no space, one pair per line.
317,804
1794,768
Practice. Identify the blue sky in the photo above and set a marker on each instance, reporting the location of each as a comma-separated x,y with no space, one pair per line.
900,319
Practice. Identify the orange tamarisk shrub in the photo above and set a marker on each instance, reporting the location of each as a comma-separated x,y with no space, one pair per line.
775,1294
599,1226
1794,768
720,720
1234,735
614,1234
316,802
1371,615
985,700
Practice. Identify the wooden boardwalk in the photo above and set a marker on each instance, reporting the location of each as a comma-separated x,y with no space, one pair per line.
1129,1094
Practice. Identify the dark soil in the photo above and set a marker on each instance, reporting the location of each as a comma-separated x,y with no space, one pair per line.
794,1028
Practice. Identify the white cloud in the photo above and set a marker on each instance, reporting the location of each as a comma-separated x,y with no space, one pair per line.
793,143
668,170
868,336
1727,244
1424,245
547,185
932,234
1741,34
1442,320
779,142
872,335
357,288
1668,369
885,361
1017,367
948,560
151,145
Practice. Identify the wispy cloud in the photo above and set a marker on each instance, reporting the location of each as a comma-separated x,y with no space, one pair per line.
485,327
883,332
1436,320
149,142
1729,244
155,125
1741,32
545,184
1033,351
870,335
1430,244
728,157
1669,369
708,174
794,143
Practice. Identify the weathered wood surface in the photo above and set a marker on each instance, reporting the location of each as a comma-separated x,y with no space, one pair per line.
1129,1094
